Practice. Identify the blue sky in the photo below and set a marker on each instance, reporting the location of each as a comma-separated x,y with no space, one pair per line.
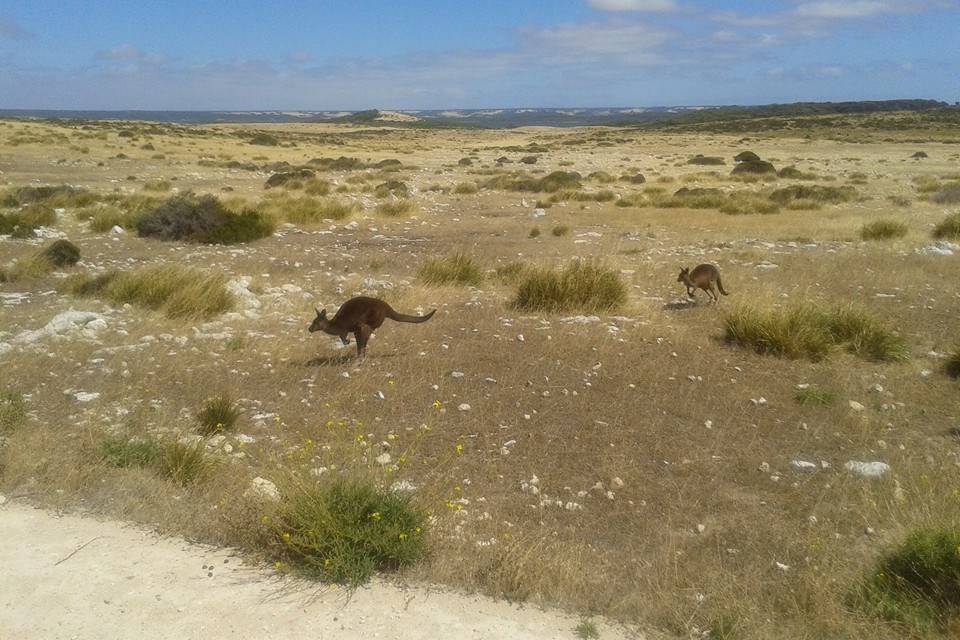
420,54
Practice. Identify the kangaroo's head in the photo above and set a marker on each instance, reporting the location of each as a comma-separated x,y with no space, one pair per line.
684,276
321,322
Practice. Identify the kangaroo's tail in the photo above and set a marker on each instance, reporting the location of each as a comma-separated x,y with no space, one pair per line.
720,286
402,317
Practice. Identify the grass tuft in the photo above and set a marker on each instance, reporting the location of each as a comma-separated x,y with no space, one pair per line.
952,366
217,414
813,396
180,292
918,583
949,228
13,411
396,209
345,532
581,286
457,268
883,230
812,332
202,219
184,463
126,452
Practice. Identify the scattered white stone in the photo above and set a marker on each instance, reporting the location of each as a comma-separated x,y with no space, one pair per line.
701,528
617,483
867,469
456,374
764,467
804,465
539,213
85,396
580,319
384,459
3,499
86,323
403,486
263,488
520,338
464,407
782,567
759,402
117,230
240,288
856,406
876,388
941,248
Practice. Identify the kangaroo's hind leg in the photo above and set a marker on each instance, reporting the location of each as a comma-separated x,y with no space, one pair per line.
363,335
714,294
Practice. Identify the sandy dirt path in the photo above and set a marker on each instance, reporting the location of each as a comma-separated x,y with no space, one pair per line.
79,578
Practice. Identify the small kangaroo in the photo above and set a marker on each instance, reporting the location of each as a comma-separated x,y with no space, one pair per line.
360,316
703,276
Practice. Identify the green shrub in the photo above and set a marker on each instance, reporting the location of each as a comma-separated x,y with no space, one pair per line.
105,218
883,230
918,583
38,214
264,140
61,253
217,414
580,286
793,173
586,630
342,163
817,193
316,187
306,210
560,230
184,463
511,272
701,159
13,411
949,194
949,228
809,331
345,532
749,204
126,452
180,292
596,196
397,208
202,219
284,178
534,232
550,183
457,268
54,196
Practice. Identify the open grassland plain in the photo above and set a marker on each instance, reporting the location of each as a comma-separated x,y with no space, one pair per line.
569,429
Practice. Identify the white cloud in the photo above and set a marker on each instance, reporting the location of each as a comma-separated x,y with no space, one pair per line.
652,6
830,9
627,42
129,54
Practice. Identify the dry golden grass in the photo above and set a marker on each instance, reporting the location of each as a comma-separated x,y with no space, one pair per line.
639,426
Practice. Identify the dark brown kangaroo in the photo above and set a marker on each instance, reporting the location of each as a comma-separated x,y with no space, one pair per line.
703,276
360,316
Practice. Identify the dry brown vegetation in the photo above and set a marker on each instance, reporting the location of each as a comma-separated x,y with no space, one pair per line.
617,459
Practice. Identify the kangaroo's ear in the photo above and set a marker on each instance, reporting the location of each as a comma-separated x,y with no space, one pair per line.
323,314
318,311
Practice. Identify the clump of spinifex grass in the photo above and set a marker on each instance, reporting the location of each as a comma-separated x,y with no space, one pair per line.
949,228
809,331
511,272
306,210
457,269
949,194
182,463
814,396
53,196
13,410
814,193
179,292
918,583
217,414
581,286
466,188
883,230
60,253
126,452
551,183
396,208
345,532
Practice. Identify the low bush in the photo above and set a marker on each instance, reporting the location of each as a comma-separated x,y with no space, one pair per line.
306,210
601,176
581,286
126,452
457,269
511,272
551,183
883,230
560,230
949,228
754,167
391,187
202,219
814,396
918,583
701,159
157,185
466,188
952,366
346,531
342,163
813,332
949,194
816,193
55,196
397,208
264,140
534,232
284,177
184,463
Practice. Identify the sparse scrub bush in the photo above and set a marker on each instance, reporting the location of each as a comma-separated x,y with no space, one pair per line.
804,204
307,210
105,218
466,188
202,219
813,332
899,201
601,176
534,232
816,193
883,230
793,173
13,411
510,272
949,228
53,196
635,178
952,366
596,196
391,187
560,230
747,204
343,163
551,183
264,140
180,292
217,414
586,630
701,159
948,194
580,286
126,452
286,178
457,268
157,185
529,159
396,209
346,531
754,167
927,184
918,583
61,253
316,187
